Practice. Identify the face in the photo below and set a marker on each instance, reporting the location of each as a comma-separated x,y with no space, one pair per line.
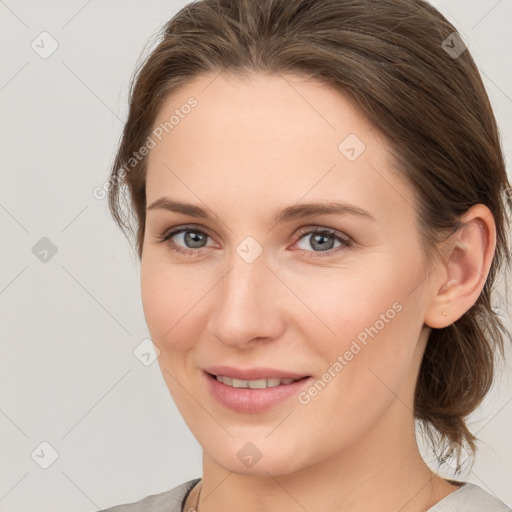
338,297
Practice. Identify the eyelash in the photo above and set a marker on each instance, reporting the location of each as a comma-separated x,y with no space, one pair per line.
345,240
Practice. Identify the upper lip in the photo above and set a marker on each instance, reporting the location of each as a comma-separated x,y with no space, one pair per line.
253,373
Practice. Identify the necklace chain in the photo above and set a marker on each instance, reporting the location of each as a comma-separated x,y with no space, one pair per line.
198,496
196,507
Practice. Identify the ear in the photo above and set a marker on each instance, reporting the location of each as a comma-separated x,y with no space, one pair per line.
469,253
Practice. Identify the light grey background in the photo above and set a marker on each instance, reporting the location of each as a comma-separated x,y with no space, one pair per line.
69,326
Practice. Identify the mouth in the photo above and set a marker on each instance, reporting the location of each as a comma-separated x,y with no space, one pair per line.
255,395
262,383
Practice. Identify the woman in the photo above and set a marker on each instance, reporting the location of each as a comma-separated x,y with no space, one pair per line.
320,205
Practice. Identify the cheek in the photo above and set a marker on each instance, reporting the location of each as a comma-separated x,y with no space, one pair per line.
168,299
163,298
350,303
173,299
369,324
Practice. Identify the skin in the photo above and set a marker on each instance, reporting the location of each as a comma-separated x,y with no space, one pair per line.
251,147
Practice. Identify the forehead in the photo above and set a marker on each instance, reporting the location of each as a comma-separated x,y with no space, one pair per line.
280,110
265,134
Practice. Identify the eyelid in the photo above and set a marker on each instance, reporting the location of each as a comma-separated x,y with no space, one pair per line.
323,229
186,227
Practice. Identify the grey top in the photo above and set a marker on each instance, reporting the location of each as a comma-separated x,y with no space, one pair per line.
467,498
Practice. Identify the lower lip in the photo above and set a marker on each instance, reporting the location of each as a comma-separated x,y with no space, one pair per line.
252,400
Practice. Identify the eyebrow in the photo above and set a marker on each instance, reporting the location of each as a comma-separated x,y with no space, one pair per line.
289,213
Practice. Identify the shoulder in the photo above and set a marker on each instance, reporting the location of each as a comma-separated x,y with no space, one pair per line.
168,501
470,498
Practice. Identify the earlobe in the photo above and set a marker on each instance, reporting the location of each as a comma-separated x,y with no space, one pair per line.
471,250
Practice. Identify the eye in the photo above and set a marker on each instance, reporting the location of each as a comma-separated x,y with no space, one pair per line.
322,240
189,240
192,238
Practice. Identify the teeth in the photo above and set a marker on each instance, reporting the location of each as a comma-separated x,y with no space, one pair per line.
254,384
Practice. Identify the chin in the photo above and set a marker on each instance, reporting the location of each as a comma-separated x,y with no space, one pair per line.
261,457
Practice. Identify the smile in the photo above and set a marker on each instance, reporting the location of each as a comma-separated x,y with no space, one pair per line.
270,382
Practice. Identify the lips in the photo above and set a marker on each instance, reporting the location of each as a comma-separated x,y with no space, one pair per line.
253,373
253,400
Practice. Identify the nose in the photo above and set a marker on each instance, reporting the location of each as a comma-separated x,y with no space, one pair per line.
246,304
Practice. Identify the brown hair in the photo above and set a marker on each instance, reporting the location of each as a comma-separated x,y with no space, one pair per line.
389,59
